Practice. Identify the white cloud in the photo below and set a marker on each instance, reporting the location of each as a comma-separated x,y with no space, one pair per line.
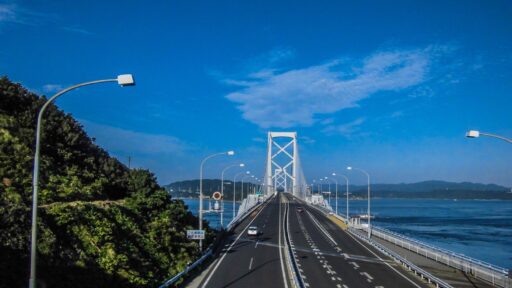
347,129
52,88
8,13
13,13
78,30
293,97
127,142
307,140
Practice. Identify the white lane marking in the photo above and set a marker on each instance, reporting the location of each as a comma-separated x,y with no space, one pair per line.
354,264
367,276
321,228
231,246
392,268
256,245
250,263
386,263
280,247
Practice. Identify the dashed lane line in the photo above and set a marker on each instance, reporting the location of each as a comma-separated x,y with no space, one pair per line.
231,246
250,263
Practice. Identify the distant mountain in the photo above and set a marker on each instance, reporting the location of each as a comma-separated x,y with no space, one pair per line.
436,185
433,189
425,189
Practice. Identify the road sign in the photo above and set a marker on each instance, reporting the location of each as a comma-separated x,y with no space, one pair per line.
216,195
195,234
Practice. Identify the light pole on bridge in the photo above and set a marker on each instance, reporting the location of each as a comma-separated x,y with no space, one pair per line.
329,188
229,153
222,190
336,193
234,191
369,215
123,80
346,179
248,173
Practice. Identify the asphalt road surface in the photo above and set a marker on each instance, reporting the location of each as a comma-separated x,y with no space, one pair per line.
326,255
329,257
249,261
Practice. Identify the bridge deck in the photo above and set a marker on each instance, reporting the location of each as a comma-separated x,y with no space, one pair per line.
330,257
452,276
326,255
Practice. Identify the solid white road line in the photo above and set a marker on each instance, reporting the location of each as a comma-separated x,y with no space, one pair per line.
231,246
280,247
250,263
392,268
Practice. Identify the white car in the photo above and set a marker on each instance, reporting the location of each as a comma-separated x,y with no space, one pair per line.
252,231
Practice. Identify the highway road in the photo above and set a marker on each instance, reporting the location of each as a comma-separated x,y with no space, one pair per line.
330,257
326,255
253,261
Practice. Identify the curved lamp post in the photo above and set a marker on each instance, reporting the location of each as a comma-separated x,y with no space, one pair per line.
329,189
346,180
123,80
222,190
369,215
476,134
336,193
229,153
248,173
234,191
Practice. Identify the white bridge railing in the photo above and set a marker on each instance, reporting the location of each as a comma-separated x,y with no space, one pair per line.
209,252
496,275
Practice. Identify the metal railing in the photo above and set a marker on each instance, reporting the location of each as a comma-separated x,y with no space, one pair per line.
189,268
209,252
406,263
297,278
496,275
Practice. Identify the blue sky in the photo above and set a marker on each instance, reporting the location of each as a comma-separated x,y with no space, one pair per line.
388,86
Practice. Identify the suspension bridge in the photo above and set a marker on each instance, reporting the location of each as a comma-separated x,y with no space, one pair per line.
301,242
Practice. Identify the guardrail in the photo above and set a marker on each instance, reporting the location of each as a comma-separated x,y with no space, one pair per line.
209,252
493,274
240,218
406,263
189,268
292,262
496,275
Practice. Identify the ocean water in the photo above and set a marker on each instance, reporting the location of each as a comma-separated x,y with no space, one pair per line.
213,218
481,229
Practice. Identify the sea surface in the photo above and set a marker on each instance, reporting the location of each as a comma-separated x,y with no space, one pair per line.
213,218
481,229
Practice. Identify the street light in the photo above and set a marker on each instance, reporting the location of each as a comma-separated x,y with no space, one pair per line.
229,153
346,179
328,179
234,191
248,173
336,195
222,191
476,134
252,176
369,215
123,80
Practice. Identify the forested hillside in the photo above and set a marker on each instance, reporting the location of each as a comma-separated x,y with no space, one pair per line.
100,223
